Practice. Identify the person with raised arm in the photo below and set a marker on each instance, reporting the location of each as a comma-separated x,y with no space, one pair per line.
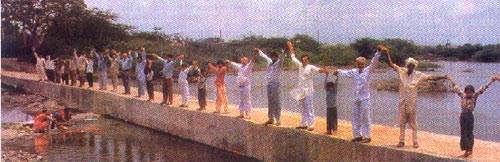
73,68
468,98
114,69
102,68
89,70
184,84
49,68
140,75
168,82
409,78
40,63
305,91
81,66
361,119
126,69
244,83
273,73
220,85
148,71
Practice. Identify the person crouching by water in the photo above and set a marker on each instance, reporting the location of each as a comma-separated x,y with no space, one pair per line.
60,117
42,122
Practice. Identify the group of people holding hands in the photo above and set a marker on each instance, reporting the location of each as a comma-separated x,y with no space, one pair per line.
113,63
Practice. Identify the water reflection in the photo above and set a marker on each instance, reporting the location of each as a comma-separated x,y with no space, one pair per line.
116,141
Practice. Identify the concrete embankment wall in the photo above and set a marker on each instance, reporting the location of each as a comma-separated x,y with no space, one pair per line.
224,132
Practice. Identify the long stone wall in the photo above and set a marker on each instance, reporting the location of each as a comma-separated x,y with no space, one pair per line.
242,137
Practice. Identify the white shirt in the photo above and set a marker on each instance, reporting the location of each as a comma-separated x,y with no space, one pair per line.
305,75
81,63
40,62
244,72
183,74
361,80
408,84
273,71
90,66
49,64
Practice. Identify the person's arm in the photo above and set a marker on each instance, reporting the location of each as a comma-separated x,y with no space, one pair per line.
389,61
74,53
263,55
34,53
143,55
376,57
493,79
435,77
456,88
212,67
343,73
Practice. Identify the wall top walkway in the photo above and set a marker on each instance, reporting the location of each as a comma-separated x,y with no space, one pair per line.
250,137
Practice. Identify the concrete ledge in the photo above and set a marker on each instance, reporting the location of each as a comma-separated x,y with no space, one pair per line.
240,136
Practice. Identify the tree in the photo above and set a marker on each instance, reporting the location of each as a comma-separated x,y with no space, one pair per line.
306,43
34,18
366,47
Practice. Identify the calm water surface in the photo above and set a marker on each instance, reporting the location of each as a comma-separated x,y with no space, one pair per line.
112,140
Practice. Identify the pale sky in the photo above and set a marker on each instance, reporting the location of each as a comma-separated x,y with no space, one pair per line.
427,22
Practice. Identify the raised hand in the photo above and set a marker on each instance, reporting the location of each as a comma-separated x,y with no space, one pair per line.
381,48
256,49
228,61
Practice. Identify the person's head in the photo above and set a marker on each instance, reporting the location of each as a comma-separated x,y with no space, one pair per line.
274,56
150,62
139,59
361,62
125,54
195,62
220,63
305,59
47,56
411,64
184,66
244,60
203,72
106,50
170,58
330,86
113,56
469,91
44,110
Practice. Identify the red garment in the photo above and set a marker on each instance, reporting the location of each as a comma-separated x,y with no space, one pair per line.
41,124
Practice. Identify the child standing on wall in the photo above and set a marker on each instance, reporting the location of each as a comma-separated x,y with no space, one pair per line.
468,99
331,105
202,89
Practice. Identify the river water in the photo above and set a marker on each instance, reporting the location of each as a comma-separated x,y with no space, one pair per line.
103,139
438,112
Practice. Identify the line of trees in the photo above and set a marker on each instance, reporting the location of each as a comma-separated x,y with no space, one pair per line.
58,26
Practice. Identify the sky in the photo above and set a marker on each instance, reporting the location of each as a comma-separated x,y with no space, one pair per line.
427,22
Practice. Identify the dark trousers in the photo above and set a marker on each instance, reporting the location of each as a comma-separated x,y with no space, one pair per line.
466,131
65,78
126,80
90,79
50,74
72,76
331,119
202,97
168,95
150,89
58,77
81,77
